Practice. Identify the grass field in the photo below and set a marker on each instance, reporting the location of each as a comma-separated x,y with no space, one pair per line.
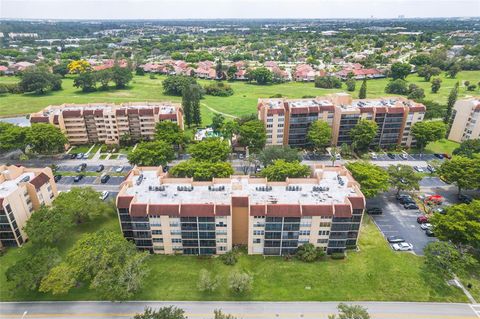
244,100
375,272
442,146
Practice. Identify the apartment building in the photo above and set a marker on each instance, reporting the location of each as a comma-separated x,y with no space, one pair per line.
22,191
168,215
287,120
466,120
106,123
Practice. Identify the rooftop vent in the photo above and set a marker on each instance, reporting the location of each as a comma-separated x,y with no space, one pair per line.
184,188
216,189
156,188
293,188
139,179
25,179
321,188
263,188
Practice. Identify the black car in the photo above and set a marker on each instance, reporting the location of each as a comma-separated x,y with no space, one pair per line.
430,233
104,179
81,167
410,206
395,239
400,196
73,156
100,168
440,156
391,155
406,200
56,178
78,178
374,211
466,199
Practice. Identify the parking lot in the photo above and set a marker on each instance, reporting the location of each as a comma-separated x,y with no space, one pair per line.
397,221
408,157
93,168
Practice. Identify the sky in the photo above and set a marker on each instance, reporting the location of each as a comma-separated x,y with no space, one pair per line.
243,9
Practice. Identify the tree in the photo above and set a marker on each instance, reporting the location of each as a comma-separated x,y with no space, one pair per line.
350,312
231,72
459,225
252,134
372,179
151,154
45,139
217,122
218,89
319,134
467,148
191,104
436,84
443,258
309,253
229,129
328,82
397,86
139,71
453,70
81,203
219,69
87,81
104,77
420,59
170,133
175,84
415,92
428,71
162,313
27,273
260,75
202,171
121,76
108,262
39,81
218,314
210,150
403,177
463,171
452,99
400,70
240,282
363,133
350,83
426,132
271,153
79,66
362,94
48,225
60,280
12,137
206,282
60,69
280,170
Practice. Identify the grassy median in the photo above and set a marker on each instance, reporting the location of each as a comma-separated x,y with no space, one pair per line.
375,272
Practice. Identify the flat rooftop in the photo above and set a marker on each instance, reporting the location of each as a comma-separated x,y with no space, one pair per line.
335,190
9,186
164,107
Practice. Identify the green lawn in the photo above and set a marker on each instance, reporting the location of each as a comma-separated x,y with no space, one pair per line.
244,100
80,149
442,146
373,273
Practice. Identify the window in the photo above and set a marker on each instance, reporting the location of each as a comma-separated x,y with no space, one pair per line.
304,233
157,240
325,224
322,241
257,241
176,240
156,232
222,240
324,233
258,232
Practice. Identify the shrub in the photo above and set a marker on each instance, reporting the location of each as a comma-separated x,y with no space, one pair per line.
309,253
328,82
398,86
276,96
12,88
338,256
240,282
229,258
218,89
206,282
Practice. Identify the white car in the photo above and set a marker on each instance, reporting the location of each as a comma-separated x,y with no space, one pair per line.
403,156
402,246
418,169
338,157
104,195
119,170
426,226
374,156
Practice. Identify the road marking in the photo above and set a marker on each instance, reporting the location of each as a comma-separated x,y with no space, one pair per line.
476,309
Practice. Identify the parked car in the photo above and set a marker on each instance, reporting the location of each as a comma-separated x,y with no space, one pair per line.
374,156
374,211
425,226
395,239
466,199
104,195
100,168
419,169
404,156
429,233
439,210
422,219
81,167
402,246
78,178
431,168
104,178
391,155
79,155
434,199
437,155
447,156
119,169
400,197
85,156
338,157
73,156
410,206
57,177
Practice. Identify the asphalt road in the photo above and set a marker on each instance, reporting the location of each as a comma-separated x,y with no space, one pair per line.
274,310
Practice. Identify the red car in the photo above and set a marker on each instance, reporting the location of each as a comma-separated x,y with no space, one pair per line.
422,219
434,199
447,156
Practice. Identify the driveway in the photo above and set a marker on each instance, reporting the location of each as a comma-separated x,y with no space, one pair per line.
398,221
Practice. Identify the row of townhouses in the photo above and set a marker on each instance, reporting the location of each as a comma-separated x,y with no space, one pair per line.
168,215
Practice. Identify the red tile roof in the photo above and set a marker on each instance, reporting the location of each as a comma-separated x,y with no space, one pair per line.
39,180
171,116
164,209
38,119
200,210
124,201
239,201
357,202
72,113
138,210
317,210
283,210
343,210
417,108
145,112
258,210
222,210
396,110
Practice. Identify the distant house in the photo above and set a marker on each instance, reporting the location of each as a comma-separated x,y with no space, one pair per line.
241,75
305,73
3,70
21,66
360,74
